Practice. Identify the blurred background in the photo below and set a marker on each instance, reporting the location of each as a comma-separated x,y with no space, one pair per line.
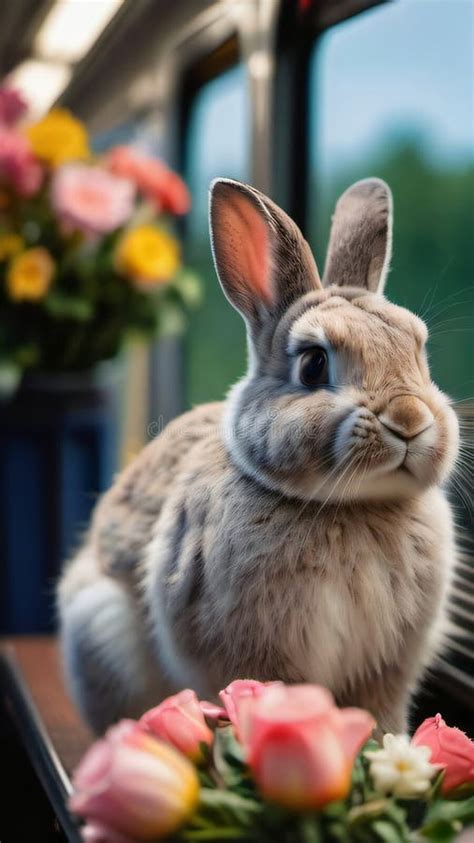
300,98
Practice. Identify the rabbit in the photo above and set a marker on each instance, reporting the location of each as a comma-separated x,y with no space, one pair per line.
299,529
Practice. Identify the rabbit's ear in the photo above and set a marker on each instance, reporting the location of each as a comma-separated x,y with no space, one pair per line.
360,244
261,258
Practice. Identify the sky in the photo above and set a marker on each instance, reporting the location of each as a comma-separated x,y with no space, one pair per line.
404,65
218,140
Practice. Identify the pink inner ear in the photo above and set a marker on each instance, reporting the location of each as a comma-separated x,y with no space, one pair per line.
249,233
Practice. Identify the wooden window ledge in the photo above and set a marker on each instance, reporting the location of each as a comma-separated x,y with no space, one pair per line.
42,740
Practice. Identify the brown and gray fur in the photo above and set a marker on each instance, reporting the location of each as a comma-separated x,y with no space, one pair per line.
285,533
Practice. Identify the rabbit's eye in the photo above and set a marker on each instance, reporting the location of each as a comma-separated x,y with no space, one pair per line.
314,368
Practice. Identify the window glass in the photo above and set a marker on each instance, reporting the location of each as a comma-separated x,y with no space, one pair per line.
392,96
217,145
124,133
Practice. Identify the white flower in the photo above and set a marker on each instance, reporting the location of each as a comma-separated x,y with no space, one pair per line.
401,768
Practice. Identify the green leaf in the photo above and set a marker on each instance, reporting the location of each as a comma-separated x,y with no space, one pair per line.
462,792
69,307
335,809
451,810
187,284
387,832
27,356
434,792
172,320
362,786
205,779
223,814
379,820
10,376
371,746
339,833
446,818
310,830
239,805
228,757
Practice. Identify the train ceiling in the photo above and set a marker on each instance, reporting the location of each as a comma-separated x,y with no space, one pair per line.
93,56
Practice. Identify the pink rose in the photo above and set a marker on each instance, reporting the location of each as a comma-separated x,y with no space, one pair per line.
19,168
12,106
91,199
131,786
154,179
238,699
450,748
302,747
179,720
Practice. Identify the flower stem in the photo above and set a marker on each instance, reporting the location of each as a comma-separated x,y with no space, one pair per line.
361,812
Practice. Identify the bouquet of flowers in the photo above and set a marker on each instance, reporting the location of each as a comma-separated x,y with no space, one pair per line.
87,254
280,763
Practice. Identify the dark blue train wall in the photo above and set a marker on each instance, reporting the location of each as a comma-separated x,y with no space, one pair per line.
58,451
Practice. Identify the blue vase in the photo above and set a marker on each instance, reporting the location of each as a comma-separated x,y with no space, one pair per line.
58,451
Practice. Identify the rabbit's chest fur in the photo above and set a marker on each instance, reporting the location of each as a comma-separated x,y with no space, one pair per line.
249,584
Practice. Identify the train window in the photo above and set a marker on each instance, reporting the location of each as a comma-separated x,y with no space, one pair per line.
217,145
392,95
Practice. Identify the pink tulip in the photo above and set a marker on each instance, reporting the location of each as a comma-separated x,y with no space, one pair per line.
450,748
133,786
12,106
19,168
179,720
302,747
212,711
238,700
90,199
154,179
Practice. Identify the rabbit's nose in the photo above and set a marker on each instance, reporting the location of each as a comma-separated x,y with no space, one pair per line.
407,416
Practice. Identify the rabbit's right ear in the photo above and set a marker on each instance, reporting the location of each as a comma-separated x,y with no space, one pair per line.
360,244
262,260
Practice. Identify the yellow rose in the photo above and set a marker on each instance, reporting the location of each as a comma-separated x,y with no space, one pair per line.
30,274
148,255
59,137
10,244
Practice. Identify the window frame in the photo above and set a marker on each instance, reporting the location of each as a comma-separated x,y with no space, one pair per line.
202,53
297,37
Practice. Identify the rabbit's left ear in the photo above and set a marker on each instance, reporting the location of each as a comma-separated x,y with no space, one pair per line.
262,260
360,245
